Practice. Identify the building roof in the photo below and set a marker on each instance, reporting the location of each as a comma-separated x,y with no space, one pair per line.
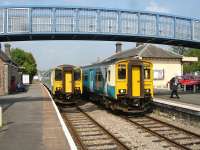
145,51
6,59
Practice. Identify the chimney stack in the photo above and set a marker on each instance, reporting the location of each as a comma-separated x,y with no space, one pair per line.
7,49
118,47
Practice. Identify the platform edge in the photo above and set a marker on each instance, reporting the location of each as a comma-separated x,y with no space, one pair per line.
64,127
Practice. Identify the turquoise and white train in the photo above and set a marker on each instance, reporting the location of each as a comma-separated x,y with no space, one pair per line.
125,85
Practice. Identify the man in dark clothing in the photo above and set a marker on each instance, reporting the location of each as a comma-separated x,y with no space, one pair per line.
174,87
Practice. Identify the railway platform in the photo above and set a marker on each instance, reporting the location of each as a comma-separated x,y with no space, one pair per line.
188,105
30,122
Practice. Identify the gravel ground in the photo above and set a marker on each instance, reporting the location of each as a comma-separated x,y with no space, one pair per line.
133,136
177,122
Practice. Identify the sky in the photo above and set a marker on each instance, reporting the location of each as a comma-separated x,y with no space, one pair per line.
49,54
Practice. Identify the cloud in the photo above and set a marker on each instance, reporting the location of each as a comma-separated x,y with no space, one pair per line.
155,7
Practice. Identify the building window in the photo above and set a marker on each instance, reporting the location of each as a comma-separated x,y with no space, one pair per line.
121,71
159,74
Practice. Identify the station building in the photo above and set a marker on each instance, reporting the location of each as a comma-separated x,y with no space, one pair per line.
9,72
166,64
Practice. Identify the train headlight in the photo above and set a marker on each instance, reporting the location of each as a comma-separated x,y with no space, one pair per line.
58,88
122,91
147,90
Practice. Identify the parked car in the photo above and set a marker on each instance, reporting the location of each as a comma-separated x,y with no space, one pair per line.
20,87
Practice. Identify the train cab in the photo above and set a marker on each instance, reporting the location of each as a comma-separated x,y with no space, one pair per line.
134,84
66,81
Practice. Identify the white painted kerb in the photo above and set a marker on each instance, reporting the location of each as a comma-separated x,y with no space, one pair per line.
66,131
177,104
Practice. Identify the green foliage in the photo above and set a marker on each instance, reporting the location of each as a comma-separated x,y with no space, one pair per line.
189,52
25,60
192,67
179,49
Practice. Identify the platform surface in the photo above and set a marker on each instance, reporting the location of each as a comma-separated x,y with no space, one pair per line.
186,100
30,122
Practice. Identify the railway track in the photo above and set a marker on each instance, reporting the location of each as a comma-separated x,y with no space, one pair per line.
175,136
87,133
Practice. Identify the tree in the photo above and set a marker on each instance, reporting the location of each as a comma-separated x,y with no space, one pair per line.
179,49
193,67
25,60
189,52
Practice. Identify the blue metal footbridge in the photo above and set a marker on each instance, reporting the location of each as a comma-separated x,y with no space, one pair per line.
77,23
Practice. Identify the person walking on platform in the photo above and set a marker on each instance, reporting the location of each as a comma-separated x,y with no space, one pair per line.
174,87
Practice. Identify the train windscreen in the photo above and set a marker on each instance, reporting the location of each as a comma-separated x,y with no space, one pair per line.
58,75
77,75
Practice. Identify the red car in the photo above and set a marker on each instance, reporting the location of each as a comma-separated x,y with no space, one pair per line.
189,80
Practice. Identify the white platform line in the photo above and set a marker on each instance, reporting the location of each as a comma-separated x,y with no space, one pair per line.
64,127
185,105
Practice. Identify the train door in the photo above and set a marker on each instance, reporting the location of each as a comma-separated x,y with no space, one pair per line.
136,81
99,80
91,82
68,82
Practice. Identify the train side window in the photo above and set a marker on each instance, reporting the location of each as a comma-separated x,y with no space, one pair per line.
121,71
99,76
77,75
85,77
58,75
108,75
147,73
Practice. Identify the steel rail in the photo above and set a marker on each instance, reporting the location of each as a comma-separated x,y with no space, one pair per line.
74,133
162,136
118,142
76,136
173,126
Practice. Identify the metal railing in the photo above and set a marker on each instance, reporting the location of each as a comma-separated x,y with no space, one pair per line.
98,21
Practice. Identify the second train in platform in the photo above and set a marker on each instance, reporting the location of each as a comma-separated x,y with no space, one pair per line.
66,82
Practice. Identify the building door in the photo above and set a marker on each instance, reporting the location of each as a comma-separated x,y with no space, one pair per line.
68,82
136,81
13,84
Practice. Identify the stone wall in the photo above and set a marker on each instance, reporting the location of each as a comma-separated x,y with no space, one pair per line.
7,72
2,78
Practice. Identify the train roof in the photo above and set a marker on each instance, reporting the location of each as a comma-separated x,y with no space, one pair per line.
67,67
112,61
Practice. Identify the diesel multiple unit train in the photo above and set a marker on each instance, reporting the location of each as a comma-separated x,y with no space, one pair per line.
66,82
125,85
